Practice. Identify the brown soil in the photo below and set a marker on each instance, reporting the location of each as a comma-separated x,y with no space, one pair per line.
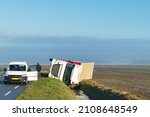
127,82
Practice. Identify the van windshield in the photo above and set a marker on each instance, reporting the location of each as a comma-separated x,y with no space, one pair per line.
17,68
55,70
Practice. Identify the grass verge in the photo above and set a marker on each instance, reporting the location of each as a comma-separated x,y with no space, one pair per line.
97,91
47,89
1,72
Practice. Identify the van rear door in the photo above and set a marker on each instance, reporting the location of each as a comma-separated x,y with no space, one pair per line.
32,73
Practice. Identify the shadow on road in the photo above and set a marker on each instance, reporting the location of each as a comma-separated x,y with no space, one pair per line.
1,82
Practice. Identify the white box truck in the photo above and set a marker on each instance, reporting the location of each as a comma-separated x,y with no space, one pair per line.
20,72
67,71
71,72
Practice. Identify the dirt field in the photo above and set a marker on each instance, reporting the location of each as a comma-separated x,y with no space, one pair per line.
127,79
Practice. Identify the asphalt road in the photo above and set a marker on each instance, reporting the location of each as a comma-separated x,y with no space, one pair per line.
10,91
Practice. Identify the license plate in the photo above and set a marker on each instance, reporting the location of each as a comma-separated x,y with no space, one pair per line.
15,78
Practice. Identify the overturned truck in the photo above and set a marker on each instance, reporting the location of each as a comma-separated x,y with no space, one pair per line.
70,72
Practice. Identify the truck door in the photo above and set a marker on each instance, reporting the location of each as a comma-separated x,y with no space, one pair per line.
32,73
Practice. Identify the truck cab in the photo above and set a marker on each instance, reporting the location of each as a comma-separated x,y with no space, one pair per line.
20,72
65,70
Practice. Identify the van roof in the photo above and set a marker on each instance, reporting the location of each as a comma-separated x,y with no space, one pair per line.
18,62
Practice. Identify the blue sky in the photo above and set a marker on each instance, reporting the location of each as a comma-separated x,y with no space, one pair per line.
110,19
101,31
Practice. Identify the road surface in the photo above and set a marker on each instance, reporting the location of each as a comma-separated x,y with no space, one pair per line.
10,91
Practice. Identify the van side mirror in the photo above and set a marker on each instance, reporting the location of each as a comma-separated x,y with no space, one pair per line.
29,69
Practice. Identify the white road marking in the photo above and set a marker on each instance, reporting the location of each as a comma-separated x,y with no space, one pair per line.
16,87
7,93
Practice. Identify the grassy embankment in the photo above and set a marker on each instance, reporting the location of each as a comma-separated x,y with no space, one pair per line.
47,89
97,91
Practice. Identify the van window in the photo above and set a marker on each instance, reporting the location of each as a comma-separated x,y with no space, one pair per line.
32,68
55,70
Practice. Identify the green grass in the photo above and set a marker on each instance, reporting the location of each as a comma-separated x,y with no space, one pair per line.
97,91
47,89
1,72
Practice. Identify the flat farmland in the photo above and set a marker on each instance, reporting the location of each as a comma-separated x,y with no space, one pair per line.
128,79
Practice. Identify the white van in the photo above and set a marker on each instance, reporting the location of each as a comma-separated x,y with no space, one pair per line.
67,71
20,72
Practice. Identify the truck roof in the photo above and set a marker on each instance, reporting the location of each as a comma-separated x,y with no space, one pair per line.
18,62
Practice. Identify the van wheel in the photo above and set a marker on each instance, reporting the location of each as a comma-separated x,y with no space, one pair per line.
5,82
